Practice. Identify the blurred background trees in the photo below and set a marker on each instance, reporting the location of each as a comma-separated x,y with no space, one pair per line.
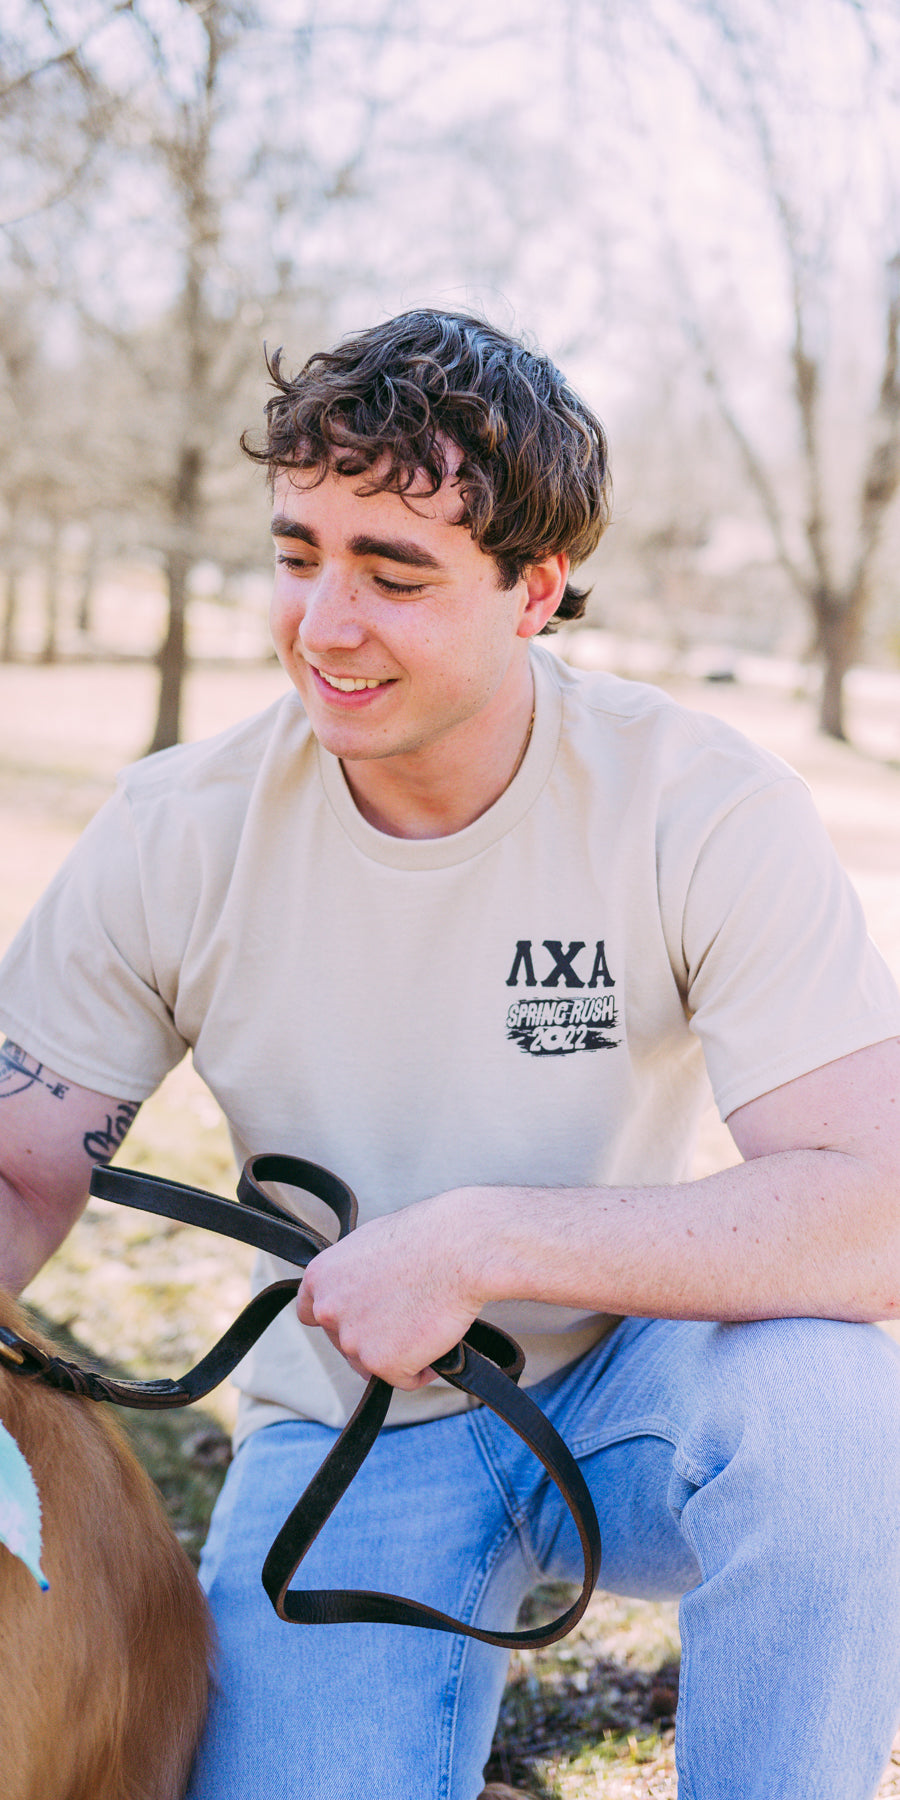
690,203
814,140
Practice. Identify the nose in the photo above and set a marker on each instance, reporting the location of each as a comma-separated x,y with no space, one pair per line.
331,614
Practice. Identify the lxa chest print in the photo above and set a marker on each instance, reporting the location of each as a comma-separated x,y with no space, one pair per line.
551,1022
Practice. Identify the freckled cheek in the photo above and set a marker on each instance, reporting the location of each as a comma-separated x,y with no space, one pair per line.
285,616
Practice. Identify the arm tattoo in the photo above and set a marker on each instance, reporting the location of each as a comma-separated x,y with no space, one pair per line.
19,1071
101,1143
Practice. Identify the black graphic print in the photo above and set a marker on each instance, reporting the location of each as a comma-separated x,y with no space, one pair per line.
548,1025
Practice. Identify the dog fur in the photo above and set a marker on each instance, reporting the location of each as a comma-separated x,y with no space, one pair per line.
105,1680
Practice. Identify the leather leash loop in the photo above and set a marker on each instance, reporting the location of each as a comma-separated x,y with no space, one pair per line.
486,1365
295,1171
481,1377
252,1219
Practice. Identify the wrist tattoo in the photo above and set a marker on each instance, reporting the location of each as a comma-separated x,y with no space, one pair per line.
19,1072
102,1143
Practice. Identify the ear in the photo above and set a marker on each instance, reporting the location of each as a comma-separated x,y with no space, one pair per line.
545,584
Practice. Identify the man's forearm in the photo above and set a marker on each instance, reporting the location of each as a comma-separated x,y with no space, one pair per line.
794,1234
808,1224
797,1233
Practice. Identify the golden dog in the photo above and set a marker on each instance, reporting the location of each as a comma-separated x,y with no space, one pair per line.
105,1676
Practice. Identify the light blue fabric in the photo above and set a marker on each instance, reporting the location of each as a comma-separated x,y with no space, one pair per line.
20,1508
753,1469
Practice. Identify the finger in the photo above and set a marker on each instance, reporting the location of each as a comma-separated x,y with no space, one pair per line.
409,1383
304,1304
393,1373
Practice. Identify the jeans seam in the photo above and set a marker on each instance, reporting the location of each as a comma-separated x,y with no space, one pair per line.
514,1527
449,1718
690,1471
685,1784
653,1426
452,1687
518,1513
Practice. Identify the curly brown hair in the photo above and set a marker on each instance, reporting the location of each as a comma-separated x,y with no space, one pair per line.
533,474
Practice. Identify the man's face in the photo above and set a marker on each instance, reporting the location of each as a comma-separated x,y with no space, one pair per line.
388,618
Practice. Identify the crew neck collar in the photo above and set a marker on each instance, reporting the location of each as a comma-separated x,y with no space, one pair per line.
502,817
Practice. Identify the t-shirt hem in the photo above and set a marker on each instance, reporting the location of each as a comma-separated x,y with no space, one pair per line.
119,1085
254,1415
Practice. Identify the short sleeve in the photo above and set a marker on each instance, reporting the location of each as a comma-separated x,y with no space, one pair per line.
782,976
77,985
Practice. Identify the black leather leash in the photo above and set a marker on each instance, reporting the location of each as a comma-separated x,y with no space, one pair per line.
486,1364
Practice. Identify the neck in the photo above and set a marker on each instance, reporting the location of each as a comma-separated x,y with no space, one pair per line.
446,786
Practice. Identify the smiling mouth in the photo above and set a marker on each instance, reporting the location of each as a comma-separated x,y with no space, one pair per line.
348,684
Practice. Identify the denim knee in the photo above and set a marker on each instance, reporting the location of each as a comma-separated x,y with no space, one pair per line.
799,1428
787,1488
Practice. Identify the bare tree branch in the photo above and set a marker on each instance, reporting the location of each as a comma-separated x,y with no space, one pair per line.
70,56
745,113
881,478
755,468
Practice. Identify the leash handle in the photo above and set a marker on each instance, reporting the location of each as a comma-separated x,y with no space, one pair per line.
253,1218
486,1365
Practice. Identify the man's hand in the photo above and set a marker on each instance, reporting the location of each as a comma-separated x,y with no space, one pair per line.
396,1293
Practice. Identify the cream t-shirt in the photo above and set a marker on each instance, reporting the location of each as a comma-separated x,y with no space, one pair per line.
536,999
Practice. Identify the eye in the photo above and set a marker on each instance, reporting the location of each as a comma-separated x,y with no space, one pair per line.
298,565
398,587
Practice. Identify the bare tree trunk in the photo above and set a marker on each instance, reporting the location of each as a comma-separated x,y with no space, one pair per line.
49,649
186,506
189,162
167,729
84,615
838,634
12,563
10,613
831,700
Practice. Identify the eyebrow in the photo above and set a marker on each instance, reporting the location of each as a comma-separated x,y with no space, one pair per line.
398,550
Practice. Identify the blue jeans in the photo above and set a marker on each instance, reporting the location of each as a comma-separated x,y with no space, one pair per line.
752,1469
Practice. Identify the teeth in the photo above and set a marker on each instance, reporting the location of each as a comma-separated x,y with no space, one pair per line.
348,684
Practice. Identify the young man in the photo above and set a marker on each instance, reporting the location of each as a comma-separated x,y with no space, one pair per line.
476,931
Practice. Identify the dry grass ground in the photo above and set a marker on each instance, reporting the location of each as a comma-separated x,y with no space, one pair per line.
593,1719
